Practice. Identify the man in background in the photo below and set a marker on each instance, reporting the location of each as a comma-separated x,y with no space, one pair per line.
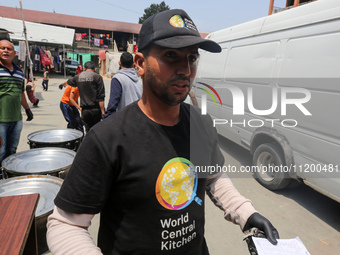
126,87
12,97
91,92
79,69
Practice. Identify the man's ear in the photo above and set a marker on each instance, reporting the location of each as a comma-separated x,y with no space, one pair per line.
140,63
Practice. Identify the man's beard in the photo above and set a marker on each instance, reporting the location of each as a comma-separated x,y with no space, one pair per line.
161,90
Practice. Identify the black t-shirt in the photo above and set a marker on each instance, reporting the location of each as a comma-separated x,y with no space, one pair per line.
91,88
140,176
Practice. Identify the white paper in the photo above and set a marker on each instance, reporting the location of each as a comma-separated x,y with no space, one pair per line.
283,247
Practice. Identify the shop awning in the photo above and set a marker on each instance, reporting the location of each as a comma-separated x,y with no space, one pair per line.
38,33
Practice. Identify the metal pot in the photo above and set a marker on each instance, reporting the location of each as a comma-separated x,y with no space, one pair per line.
47,187
51,161
62,138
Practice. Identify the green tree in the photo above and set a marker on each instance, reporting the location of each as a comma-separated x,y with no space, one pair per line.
153,9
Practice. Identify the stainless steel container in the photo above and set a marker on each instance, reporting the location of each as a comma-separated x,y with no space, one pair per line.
51,161
47,187
62,138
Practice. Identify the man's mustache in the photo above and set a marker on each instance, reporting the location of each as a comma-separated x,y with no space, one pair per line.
180,79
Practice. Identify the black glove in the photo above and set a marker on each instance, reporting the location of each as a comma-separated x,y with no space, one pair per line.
29,114
258,221
61,86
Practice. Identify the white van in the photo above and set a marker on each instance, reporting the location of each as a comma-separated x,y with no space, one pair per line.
277,93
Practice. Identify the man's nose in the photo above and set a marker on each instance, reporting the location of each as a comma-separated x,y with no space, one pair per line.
184,68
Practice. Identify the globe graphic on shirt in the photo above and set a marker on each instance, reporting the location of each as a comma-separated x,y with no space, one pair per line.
176,184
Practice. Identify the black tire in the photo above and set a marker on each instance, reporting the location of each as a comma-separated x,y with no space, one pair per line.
269,154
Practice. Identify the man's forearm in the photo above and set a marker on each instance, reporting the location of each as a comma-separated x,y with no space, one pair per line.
224,195
67,234
24,101
73,102
102,108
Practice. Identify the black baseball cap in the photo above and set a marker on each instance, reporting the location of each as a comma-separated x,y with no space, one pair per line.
173,29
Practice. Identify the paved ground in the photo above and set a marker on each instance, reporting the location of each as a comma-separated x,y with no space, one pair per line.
301,212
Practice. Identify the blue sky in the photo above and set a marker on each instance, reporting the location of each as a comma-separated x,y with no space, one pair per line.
209,15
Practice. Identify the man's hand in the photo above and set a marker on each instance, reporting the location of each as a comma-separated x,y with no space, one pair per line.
258,221
29,114
61,86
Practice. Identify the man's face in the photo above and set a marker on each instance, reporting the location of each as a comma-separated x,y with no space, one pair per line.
169,73
7,52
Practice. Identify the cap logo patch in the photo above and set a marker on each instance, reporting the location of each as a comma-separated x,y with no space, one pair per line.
176,21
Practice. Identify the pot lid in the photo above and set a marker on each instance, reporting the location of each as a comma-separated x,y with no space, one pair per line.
46,186
39,161
55,135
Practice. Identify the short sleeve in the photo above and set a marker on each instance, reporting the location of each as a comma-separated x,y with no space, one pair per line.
87,185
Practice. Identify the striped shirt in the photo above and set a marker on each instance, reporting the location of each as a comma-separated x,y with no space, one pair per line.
11,87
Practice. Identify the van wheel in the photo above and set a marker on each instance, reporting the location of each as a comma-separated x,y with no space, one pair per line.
269,155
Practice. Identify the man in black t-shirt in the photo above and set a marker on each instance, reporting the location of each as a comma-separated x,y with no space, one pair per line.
91,93
137,167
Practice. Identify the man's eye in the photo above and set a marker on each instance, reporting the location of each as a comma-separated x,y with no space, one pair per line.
192,58
171,54
4,48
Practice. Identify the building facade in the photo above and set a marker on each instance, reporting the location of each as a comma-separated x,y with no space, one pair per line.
91,35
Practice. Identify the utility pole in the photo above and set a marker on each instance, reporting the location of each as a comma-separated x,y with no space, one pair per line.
27,47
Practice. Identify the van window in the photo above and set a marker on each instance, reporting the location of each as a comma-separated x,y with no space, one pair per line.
251,61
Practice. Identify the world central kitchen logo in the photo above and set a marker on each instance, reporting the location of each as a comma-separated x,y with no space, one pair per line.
300,97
